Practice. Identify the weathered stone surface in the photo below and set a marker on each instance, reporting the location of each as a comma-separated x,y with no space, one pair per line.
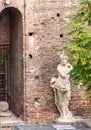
4,106
63,126
5,114
61,87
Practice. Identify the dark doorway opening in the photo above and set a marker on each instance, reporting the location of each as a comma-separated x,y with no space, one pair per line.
11,51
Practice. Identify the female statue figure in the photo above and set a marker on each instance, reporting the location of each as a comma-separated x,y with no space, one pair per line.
61,87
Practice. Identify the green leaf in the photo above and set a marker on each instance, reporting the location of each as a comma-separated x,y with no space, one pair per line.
79,47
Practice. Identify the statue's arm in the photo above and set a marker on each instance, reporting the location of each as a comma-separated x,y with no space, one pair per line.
60,89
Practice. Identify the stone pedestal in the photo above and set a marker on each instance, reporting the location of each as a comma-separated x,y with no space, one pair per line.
4,106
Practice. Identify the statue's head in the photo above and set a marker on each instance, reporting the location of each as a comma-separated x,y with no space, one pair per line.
63,57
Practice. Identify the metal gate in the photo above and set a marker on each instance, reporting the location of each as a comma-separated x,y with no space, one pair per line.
4,71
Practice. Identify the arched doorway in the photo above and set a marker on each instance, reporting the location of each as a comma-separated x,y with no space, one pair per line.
11,58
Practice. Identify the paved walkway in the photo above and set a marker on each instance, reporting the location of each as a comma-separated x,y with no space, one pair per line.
86,120
8,121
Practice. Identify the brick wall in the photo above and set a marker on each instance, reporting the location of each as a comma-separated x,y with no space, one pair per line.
49,19
44,36
4,27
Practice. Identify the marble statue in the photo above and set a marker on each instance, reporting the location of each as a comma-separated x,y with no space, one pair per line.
61,87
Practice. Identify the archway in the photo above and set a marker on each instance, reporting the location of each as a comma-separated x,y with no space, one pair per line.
11,51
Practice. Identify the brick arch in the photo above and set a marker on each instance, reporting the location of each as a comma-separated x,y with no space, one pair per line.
12,34
11,8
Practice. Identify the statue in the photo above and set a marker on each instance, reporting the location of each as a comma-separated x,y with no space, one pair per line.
61,87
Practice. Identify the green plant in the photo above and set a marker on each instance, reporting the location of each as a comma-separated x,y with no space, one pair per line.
80,45
2,63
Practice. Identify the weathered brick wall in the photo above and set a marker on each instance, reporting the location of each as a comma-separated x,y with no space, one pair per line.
44,36
47,38
4,28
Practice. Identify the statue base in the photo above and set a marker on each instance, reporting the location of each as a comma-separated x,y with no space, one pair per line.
65,120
